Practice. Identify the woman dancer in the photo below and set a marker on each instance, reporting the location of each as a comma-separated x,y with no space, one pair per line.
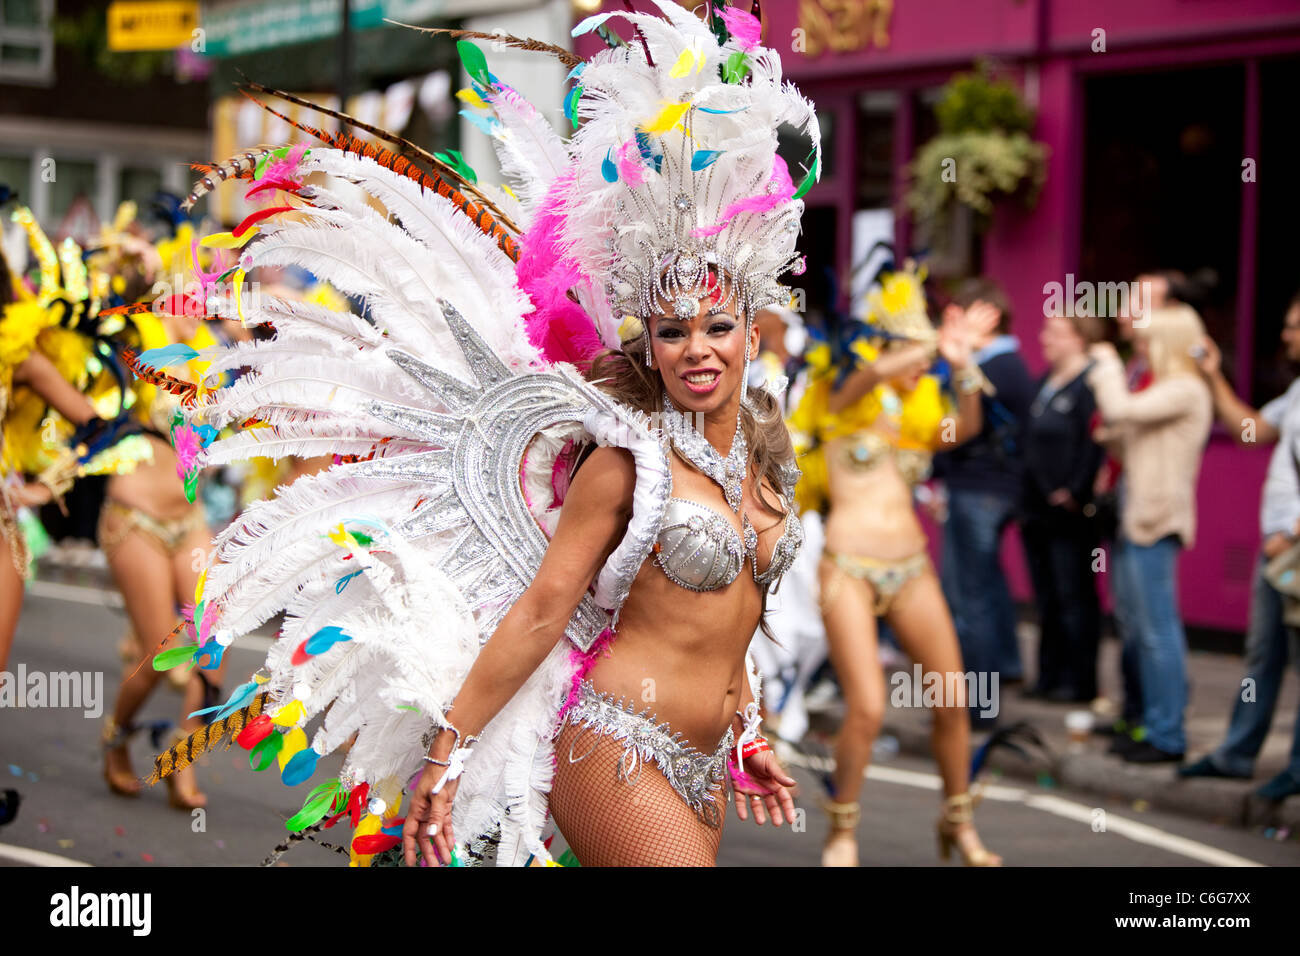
490,501
156,540
873,437
24,444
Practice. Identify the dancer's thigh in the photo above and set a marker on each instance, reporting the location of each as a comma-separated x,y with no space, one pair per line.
611,823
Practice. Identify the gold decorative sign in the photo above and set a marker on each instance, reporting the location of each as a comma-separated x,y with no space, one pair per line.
842,26
151,25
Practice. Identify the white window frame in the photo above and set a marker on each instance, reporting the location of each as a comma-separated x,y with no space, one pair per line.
42,72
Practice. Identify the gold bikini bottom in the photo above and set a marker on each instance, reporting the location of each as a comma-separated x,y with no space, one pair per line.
168,535
886,577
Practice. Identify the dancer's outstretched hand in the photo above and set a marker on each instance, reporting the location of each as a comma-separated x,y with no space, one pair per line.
428,819
764,784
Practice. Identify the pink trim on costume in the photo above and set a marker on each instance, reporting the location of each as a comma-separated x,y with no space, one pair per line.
561,473
523,485
582,664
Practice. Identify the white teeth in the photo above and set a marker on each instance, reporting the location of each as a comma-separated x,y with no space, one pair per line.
703,379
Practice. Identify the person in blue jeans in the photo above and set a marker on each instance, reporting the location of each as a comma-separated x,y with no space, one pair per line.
1269,641
1160,434
1150,573
984,479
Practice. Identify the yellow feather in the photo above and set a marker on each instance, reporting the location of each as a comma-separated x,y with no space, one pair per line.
227,240
669,118
683,64
467,95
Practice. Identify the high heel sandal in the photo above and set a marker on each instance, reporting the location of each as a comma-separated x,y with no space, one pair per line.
841,847
115,737
190,798
959,812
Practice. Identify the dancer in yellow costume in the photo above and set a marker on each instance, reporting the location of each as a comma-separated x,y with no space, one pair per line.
866,437
35,367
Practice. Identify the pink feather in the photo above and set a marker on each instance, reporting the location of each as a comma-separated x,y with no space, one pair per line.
745,28
284,168
631,168
557,327
206,279
757,204
187,445
743,781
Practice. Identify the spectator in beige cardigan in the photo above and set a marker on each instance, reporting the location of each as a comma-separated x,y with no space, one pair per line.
1159,434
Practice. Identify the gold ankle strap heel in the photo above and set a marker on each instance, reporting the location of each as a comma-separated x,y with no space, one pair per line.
842,845
958,813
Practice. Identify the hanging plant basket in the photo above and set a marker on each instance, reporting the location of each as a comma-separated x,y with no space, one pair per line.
982,155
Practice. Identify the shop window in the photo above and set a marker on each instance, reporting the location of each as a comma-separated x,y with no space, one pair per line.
874,150
138,184
1162,183
16,173
26,41
71,180
1278,240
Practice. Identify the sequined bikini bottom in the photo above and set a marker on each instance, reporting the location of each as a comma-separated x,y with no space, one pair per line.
886,577
168,535
696,776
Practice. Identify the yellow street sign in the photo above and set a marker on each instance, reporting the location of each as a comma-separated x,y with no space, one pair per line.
151,24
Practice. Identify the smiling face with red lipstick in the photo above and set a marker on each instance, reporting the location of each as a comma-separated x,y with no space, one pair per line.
702,359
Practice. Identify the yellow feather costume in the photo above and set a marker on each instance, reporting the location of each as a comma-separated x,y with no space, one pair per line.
898,307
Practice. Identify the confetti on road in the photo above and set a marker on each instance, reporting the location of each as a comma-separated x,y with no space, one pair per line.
147,857
1141,806
120,831
43,826
16,770
66,844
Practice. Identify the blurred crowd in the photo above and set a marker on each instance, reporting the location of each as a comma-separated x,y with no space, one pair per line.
1096,462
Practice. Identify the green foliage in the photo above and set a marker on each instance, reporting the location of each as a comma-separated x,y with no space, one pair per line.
978,102
86,35
982,154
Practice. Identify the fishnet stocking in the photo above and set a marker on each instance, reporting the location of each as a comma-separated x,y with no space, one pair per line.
611,823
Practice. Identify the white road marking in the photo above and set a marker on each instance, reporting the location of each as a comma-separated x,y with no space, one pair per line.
21,854
105,597
77,593
1059,806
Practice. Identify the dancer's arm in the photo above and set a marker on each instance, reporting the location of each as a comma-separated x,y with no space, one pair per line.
594,518
1161,401
892,364
39,374
1231,411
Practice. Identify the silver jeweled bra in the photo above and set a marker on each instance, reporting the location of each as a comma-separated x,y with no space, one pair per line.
699,548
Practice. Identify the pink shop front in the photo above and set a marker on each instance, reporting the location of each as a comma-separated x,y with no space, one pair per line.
1151,110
